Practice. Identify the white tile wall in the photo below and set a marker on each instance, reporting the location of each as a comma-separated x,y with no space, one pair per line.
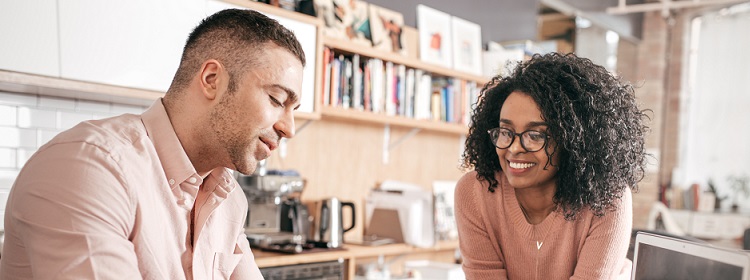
28,121
56,103
14,137
70,119
32,117
17,99
8,115
7,176
126,109
22,156
92,106
46,135
7,158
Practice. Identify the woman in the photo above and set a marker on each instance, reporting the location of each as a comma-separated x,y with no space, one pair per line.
556,148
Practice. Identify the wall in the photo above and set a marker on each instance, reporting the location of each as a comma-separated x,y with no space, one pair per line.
27,121
501,20
650,81
344,160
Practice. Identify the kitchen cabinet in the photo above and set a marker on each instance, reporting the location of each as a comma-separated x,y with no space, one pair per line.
134,44
29,37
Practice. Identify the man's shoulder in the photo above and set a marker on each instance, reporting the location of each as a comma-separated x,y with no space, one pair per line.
108,134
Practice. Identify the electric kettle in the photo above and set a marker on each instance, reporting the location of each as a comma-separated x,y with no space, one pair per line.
329,226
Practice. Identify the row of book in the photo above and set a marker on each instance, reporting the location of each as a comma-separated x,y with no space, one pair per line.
373,85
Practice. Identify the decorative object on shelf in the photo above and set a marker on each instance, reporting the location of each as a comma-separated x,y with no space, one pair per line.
434,36
467,46
345,19
387,29
445,218
306,7
740,185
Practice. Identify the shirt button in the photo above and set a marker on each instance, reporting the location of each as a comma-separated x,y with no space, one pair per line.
192,180
171,182
183,202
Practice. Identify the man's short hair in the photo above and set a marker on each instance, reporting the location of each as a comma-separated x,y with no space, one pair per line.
235,38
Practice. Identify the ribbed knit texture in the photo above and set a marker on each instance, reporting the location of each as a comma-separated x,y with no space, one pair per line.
497,242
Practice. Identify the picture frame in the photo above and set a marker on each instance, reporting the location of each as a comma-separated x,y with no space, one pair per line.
467,46
435,45
387,30
345,19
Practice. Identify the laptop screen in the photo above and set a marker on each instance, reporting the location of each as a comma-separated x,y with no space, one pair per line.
659,257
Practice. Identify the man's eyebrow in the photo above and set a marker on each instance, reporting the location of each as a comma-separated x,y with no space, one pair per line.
292,96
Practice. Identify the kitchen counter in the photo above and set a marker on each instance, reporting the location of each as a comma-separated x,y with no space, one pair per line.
350,254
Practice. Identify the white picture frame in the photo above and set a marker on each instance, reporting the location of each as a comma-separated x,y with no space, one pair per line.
467,46
434,36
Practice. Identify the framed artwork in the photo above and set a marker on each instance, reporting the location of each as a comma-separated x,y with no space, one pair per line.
345,19
467,46
445,217
387,29
434,36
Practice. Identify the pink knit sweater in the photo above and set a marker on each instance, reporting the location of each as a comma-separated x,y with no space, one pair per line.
497,242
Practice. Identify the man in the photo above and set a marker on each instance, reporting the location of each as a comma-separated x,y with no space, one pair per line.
149,196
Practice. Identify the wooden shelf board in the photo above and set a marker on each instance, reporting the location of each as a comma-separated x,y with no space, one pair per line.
270,259
336,113
348,47
307,116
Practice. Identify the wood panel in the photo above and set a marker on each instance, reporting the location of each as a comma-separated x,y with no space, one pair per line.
345,160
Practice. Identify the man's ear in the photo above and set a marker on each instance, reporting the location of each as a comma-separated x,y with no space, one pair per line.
213,79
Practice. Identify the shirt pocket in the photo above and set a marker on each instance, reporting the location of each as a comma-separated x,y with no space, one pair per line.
225,263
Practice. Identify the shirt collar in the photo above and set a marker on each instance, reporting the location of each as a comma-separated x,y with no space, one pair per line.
174,160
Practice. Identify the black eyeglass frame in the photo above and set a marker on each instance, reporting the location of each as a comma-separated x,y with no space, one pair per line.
520,136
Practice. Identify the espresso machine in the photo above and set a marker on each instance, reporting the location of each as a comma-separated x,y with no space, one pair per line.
276,219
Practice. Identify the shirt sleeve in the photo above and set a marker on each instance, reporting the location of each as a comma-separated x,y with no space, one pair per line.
480,259
247,268
603,255
72,214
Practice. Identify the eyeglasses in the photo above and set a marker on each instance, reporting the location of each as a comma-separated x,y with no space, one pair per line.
531,140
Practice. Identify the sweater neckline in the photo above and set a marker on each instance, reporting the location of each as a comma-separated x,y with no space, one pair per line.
536,232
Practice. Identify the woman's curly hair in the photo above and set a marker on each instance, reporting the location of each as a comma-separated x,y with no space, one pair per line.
591,114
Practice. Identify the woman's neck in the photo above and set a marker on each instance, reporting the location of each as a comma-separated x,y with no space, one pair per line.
536,204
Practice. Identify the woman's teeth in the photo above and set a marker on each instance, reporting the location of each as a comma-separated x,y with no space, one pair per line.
518,165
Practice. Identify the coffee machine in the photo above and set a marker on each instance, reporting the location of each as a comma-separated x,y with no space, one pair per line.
276,220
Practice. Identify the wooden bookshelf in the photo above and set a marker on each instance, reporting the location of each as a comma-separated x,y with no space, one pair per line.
347,47
342,114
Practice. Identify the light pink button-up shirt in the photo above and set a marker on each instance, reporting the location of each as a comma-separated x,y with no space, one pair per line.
112,199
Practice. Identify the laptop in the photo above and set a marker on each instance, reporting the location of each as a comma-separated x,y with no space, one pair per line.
659,257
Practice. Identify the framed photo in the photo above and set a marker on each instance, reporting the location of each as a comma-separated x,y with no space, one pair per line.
345,19
387,29
434,36
445,217
467,46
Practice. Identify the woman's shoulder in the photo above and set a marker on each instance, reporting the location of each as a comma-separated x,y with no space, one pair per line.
470,180
471,183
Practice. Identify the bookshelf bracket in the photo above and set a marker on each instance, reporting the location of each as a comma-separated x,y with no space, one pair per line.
388,146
